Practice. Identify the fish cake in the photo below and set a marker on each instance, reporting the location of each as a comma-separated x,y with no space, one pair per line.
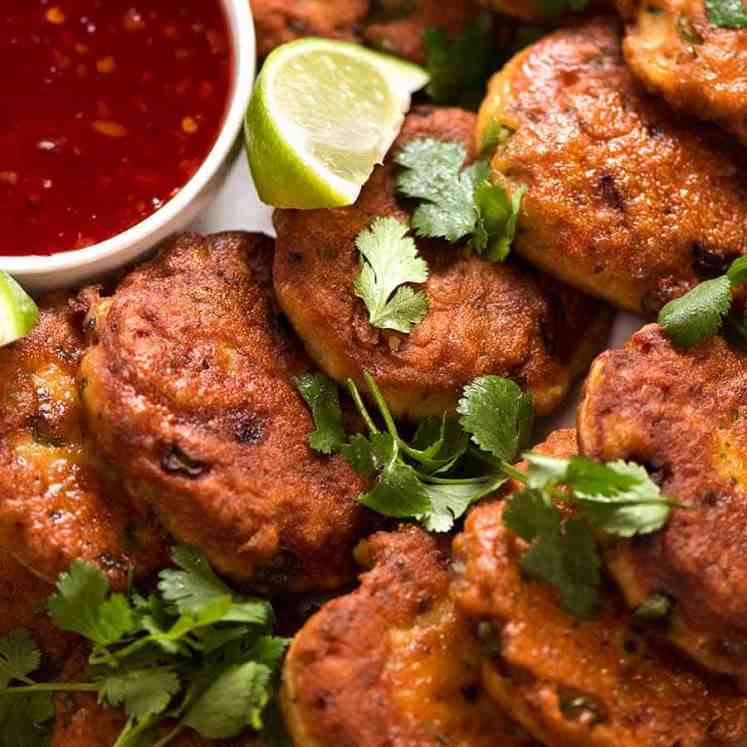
59,500
399,26
189,387
280,21
483,318
598,683
699,68
682,414
23,599
392,664
626,200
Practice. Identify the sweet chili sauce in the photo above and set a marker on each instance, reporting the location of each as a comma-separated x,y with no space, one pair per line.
107,108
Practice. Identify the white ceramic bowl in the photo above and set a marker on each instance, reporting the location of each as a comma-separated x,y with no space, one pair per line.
66,269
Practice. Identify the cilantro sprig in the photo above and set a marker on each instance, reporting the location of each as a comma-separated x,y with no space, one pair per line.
727,13
195,654
448,464
699,314
388,260
451,463
618,498
457,202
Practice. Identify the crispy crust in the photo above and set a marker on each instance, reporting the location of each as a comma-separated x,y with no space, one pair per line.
697,67
401,32
58,499
484,318
280,21
683,414
634,694
625,200
392,664
22,605
190,388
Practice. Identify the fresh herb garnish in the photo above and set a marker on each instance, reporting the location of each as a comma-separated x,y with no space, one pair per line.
322,398
618,498
389,259
457,202
460,68
727,13
437,475
195,654
693,318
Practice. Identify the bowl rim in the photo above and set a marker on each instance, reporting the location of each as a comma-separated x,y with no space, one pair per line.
241,30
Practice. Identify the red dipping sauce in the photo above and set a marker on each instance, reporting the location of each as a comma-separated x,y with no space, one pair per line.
107,108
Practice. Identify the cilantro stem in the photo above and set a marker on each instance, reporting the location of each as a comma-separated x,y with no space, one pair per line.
514,473
171,735
355,394
50,687
382,405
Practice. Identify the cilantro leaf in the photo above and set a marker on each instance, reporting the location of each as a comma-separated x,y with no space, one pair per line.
449,502
195,587
696,316
399,491
618,497
389,259
232,702
498,416
727,13
737,272
495,134
498,216
459,69
562,553
323,399
82,605
457,202
19,657
26,719
433,174
143,692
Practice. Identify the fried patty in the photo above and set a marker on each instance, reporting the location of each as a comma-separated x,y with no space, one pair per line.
392,664
399,26
600,683
504,319
280,21
682,414
394,26
626,200
190,389
23,599
82,722
699,68
59,500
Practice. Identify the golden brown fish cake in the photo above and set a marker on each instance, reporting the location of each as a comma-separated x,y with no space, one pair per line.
80,721
392,664
483,318
59,500
402,24
683,414
280,21
599,683
581,684
190,389
23,599
699,68
625,200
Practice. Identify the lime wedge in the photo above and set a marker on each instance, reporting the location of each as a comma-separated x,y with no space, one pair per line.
18,312
322,115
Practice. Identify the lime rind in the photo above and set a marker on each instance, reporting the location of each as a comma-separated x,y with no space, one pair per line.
18,312
290,133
